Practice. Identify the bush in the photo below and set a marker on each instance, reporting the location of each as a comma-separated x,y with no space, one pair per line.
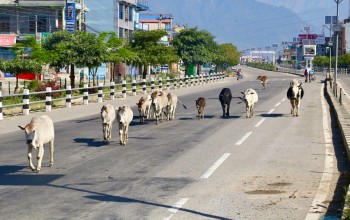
53,85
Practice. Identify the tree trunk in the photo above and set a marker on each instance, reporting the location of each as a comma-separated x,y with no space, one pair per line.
198,69
144,72
72,76
16,87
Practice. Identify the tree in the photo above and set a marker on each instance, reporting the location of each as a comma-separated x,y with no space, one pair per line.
18,66
117,51
91,51
60,44
150,51
227,53
321,61
195,47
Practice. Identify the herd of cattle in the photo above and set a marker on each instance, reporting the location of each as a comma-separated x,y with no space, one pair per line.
40,130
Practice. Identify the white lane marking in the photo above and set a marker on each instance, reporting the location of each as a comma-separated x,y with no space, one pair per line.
277,104
316,208
240,141
176,207
211,170
271,111
259,123
283,100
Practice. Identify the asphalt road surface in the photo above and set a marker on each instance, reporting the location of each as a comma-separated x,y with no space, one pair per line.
270,166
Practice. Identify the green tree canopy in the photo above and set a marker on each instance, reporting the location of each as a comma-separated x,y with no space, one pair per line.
195,47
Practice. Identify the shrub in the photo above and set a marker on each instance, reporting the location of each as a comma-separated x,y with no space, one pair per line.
53,85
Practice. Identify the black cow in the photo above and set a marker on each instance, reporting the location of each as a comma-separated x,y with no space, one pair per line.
225,99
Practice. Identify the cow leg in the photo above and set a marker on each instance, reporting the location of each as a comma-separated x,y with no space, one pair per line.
104,128
51,152
30,149
121,134
223,110
40,157
110,131
228,108
126,134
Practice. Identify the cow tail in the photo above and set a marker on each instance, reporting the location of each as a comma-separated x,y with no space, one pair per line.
181,103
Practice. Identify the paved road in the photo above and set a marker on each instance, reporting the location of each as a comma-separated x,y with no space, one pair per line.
267,167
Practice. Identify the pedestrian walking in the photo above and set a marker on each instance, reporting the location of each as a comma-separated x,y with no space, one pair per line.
306,74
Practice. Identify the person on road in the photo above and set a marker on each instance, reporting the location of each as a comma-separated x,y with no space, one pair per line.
306,74
239,74
311,75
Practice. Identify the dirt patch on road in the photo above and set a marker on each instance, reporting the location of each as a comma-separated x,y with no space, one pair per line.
265,192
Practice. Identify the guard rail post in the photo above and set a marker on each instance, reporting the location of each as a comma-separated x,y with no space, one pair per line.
144,86
160,84
100,93
69,97
86,95
48,99
133,87
152,84
124,89
25,102
112,90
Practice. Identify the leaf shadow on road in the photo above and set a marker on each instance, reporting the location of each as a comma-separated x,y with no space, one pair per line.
91,142
120,199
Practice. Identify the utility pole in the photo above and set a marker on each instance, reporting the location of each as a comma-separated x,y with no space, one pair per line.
336,49
36,25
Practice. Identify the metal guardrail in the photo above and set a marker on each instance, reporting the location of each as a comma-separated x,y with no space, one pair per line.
132,88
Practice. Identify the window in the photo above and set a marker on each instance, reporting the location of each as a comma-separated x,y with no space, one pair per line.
126,9
130,13
121,33
4,23
121,11
40,22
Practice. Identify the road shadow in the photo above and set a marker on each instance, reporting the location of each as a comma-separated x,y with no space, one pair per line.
8,176
91,142
87,120
230,117
102,197
273,115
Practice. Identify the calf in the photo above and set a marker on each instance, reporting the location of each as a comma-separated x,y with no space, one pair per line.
295,93
263,80
38,132
225,100
108,117
159,104
144,106
200,104
124,118
250,97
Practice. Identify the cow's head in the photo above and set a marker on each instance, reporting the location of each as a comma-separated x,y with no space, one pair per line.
30,133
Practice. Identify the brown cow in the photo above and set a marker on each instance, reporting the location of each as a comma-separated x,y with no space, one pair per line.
263,80
200,104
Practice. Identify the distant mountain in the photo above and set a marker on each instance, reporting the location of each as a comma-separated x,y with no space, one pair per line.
244,23
313,11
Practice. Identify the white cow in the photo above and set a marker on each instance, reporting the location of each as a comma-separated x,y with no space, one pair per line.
108,117
38,132
124,118
250,97
295,93
159,103
171,107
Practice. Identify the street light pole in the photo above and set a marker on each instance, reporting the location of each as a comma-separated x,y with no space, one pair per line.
330,50
336,50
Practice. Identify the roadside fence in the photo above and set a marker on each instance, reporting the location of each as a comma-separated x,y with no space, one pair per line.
28,101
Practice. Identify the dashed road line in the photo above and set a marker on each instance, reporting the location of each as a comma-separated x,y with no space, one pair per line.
271,111
284,99
176,207
277,104
260,122
240,141
212,169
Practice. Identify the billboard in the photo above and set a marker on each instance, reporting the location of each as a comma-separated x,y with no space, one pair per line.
309,50
70,17
7,39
